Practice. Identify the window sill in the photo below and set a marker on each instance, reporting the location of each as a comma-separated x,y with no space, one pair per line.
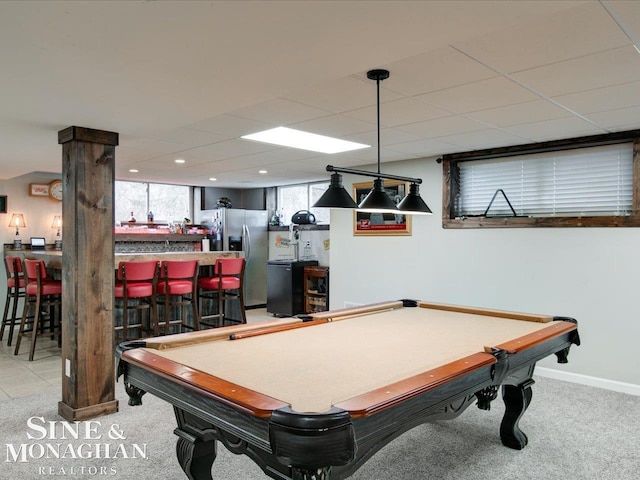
524,222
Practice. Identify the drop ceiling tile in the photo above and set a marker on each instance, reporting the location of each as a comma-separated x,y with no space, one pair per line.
613,67
484,139
187,137
228,149
230,126
602,99
388,136
616,119
337,126
492,93
434,70
280,111
517,114
582,30
398,112
443,126
555,129
344,94
422,147
367,156
628,14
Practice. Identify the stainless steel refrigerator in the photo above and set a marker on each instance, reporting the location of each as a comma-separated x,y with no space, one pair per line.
246,231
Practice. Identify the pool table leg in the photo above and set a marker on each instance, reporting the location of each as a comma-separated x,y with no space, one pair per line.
516,400
317,474
195,455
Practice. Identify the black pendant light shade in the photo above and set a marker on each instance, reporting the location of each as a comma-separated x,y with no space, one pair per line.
377,200
336,196
413,203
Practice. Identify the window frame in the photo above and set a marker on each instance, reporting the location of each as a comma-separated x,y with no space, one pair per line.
451,182
307,185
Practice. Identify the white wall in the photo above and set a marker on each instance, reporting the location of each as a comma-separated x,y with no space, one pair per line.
590,274
319,241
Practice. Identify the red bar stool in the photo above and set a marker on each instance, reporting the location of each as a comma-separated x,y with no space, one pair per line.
15,290
227,283
42,293
135,289
178,287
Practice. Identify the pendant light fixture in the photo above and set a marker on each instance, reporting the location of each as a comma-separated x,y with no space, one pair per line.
377,200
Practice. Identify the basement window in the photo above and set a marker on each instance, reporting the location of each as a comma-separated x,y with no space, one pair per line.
588,181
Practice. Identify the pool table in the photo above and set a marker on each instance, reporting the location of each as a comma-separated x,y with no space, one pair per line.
315,397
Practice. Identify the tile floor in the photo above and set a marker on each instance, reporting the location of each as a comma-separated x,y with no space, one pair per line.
20,377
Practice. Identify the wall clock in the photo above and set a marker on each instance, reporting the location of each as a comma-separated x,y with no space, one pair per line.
55,190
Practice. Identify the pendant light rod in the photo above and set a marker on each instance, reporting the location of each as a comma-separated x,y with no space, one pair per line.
331,168
378,75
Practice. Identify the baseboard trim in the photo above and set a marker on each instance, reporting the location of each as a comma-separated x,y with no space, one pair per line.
613,385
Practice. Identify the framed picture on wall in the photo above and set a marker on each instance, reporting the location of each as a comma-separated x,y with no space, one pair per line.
3,204
365,223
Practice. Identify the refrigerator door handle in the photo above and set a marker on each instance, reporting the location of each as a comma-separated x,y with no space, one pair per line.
247,244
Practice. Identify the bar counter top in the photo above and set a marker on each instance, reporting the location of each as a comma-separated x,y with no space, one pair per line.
53,258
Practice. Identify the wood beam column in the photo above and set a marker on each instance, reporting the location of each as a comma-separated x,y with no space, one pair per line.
88,382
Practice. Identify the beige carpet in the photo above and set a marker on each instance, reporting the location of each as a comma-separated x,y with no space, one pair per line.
575,432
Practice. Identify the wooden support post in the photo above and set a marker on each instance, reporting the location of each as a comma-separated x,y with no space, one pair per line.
88,382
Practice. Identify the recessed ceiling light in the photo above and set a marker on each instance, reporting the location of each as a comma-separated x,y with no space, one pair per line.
263,172
179,160
213,179
133,170
288,137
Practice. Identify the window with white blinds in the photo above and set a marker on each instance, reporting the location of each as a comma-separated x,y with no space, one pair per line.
582,182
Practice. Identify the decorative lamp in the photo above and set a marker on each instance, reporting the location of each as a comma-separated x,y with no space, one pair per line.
57,224
17,220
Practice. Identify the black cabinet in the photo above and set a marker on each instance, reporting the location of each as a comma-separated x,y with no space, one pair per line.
285,286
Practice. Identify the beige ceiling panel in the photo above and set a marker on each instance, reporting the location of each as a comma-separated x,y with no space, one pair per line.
541,131
484,139
443,126
614,67
342,95
616,119
188,137
399,112
528,112
227,149
435,70
492,93
585,29
335,126
281,112
231,126
602,99
422,147
388,136
627,12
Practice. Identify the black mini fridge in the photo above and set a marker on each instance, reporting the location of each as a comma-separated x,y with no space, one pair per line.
285,286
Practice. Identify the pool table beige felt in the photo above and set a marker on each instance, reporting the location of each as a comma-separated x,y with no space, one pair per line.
340,356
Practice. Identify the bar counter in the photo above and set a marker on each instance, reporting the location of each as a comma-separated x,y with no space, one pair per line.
53,258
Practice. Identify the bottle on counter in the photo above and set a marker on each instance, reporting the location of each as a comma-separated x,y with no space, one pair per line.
132,219
306,252
150,216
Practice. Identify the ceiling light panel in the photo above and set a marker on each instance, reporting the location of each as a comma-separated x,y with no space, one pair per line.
289,137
